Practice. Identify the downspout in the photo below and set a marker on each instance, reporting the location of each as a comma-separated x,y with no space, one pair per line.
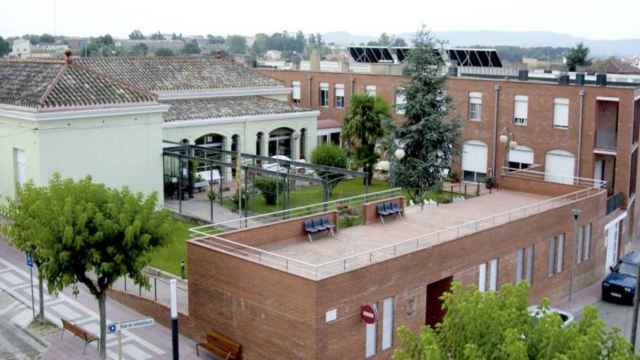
311,92
495,130
580,120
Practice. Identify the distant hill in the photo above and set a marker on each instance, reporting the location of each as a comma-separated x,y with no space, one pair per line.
599,48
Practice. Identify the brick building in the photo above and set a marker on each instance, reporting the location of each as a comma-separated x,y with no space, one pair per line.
283,297
567,126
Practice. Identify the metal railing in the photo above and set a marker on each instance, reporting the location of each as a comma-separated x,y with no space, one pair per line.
158,291
366,258
554,178
615,202
486,71
257,220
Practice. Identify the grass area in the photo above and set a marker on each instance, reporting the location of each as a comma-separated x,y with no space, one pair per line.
168,258
312,195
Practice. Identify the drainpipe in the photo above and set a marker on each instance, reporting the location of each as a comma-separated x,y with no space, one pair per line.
495,130
580,120
310,91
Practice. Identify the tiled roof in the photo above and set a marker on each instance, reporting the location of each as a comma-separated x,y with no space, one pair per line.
43,86
180,73
211,108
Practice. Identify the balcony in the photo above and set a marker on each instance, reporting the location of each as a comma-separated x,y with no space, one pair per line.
615,202
606,140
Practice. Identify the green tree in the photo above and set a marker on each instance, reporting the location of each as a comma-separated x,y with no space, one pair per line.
578,56
90,234
47,39
363,128
136,35
497,325
236,44
140,49
5,47
164,52
191,48
260,44
330,155
157,36
399,42
429,136
215,40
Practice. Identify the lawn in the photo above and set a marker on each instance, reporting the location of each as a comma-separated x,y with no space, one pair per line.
168,258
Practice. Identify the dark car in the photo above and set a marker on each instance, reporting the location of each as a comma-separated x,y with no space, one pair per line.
620,285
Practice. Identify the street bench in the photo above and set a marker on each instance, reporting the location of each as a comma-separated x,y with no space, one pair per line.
220,345
318,225
86,336
388,209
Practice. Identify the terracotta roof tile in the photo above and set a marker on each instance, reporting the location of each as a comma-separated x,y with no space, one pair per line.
211,108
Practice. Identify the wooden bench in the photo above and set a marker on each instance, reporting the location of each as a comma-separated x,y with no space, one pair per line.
220,345
79,332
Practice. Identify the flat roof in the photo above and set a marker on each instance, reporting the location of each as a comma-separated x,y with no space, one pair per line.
416,222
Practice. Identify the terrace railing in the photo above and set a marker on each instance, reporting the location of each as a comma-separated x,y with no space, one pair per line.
366,258
554,178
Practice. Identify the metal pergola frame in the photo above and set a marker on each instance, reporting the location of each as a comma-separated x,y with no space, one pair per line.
186,152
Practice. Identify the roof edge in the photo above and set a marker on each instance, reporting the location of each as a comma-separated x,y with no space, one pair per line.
35,115
242,118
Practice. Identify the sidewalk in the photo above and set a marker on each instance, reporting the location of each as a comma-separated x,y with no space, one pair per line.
139,344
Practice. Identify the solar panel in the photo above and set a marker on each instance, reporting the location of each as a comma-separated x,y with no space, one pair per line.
456,56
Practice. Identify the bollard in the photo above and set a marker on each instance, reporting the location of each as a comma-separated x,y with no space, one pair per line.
182,275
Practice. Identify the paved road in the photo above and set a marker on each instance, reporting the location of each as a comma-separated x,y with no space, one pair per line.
139,344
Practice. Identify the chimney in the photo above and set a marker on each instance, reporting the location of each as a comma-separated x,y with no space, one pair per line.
67,57
523,75
580,79
563,79
314,60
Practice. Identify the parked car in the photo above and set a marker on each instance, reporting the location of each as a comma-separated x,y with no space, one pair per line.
620,285
537,312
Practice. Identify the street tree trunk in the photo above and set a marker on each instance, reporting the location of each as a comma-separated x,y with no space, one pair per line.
41,297
102,345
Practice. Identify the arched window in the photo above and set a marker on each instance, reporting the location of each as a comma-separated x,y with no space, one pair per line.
520,157
214,144
559,166
303,143
474,160
280,142
259,140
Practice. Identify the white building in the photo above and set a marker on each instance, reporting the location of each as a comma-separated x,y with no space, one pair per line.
108,117
21,48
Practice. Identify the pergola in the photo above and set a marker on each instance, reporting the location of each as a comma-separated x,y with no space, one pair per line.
184,155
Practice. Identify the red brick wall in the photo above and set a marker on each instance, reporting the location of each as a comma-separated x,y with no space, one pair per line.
370,212
526,183
261,235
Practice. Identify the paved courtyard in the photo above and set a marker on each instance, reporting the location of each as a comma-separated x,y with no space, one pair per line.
15,342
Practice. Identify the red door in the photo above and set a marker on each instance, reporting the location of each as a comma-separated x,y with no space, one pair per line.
434,312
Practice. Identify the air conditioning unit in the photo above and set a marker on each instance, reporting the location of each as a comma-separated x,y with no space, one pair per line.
520,121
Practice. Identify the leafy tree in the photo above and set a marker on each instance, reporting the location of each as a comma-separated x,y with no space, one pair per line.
47,39
157,36
164,52
215,40
175,36
90,234
236,44
140,49
578,56
269,187
330,155
260,44
191,48
497,325
363,128
105,41
5,47
428,136
399,42
136,35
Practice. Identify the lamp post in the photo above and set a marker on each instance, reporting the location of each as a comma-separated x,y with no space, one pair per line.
576,214
399,154
509,143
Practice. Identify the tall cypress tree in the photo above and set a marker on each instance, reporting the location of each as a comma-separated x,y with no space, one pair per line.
429,135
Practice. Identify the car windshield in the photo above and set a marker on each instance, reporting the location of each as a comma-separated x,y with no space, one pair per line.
627,269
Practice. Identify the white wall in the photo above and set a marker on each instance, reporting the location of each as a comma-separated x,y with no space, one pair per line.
21,135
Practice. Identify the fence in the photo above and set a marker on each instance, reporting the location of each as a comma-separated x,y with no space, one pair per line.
554,178
335,267
158,290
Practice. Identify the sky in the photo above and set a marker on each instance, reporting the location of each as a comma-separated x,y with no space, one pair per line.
593,19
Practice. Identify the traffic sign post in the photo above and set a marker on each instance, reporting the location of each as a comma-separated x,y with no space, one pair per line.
30,265
126,325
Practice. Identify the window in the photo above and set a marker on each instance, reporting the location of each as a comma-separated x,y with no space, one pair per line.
584,243
520,157
561,113
370,344
295,95
401,101
324,94
371,90
633,176
475,106
521,110
20,166
556,254
488,276
524,264
387,323
339,96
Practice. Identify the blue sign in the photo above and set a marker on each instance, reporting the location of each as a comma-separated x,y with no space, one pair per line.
29,260
112,328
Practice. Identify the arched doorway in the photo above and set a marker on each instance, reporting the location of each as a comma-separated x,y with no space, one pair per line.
280,142
214,142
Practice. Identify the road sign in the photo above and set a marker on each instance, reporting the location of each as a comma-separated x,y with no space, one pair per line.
112,328
29,260
132,324
368,314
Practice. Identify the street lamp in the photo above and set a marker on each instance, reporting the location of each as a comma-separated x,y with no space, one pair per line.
509,143
399,154
576,215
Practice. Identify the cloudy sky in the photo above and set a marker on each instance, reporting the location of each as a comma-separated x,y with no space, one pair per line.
595,19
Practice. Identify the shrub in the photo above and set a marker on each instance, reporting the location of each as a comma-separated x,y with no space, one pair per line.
330,155
268,187
453,176
491,183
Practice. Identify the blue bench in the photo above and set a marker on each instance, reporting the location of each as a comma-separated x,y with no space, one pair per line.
388,209
318,225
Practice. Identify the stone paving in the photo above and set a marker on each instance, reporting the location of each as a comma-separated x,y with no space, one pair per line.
15,342
138,344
